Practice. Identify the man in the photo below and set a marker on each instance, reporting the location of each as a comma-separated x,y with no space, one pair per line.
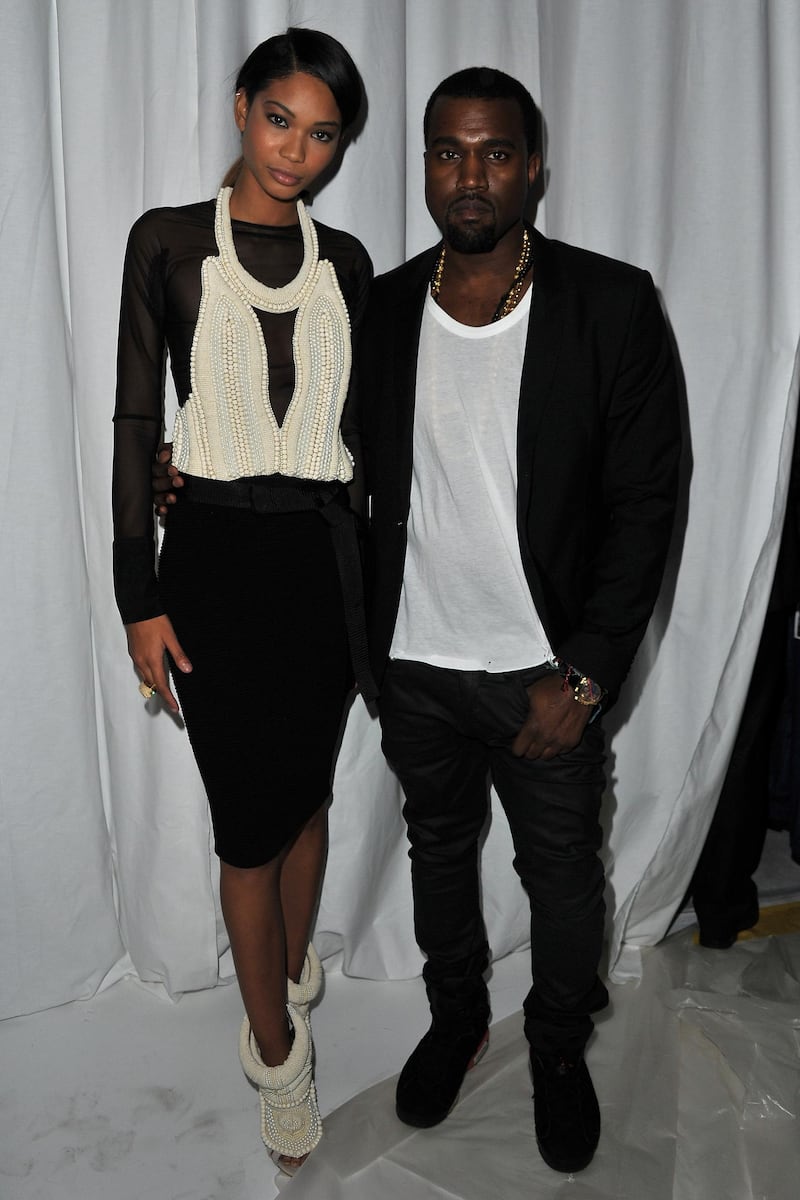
521,440
520,436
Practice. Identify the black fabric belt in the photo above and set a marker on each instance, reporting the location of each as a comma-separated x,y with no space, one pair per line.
263,494
287,495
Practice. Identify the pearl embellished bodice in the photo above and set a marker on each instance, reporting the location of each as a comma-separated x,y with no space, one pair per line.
227,429
162,293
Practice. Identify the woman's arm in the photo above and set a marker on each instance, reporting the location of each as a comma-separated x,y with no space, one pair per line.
138,419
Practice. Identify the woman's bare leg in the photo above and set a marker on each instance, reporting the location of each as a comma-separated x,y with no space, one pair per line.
268,912
301,879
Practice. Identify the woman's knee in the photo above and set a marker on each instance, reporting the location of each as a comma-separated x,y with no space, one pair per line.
316,826
258,876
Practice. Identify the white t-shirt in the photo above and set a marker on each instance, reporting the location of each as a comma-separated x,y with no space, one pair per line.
465,602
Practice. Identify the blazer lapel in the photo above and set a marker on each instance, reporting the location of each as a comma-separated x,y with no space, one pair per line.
406,325
542,350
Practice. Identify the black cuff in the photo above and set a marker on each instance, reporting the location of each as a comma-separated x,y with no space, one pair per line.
135,582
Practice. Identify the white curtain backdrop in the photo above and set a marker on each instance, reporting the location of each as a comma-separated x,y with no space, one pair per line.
671,142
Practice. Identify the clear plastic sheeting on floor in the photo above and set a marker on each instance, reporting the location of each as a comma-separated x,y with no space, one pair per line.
128,1096
697,1070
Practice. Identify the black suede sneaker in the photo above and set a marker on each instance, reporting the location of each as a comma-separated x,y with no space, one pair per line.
716,936
565,1111
430,1081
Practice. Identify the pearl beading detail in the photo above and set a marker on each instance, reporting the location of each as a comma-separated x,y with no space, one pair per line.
290,1120
227,429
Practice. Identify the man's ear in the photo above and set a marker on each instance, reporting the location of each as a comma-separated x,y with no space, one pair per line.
534,167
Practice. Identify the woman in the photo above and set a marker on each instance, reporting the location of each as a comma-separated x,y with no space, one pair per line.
256,602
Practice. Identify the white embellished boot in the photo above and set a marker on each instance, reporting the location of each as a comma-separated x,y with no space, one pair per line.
290,1122
306,991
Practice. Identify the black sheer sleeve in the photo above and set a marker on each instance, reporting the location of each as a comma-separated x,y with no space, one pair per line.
355,287
138,419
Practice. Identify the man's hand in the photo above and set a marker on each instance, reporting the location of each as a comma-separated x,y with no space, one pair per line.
165,478
147,641
555,722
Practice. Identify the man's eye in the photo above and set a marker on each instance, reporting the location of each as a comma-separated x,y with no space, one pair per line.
448,155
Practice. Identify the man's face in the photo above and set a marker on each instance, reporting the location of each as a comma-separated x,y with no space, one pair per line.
477,171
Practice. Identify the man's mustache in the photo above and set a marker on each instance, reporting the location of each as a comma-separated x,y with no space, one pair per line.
470,200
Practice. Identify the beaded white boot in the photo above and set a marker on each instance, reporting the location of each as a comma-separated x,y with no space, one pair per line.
290,1122
304,992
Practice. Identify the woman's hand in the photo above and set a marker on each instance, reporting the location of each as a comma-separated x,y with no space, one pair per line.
147,642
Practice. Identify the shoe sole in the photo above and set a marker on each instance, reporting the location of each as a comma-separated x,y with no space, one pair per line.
564,1168
284,1163
428,1122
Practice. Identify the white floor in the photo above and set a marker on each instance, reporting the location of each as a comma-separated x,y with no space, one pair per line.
698,1070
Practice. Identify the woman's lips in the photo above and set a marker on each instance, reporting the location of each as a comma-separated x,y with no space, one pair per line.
284,177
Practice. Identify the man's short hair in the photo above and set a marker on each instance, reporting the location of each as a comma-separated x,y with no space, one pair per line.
486,83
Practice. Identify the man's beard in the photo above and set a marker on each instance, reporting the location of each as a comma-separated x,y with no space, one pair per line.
468,240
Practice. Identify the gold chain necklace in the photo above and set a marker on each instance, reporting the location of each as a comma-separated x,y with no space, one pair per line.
510,299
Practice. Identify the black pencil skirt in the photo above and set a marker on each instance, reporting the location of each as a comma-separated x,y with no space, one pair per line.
256,603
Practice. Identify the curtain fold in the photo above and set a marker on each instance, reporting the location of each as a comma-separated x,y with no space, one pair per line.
671,142
55,862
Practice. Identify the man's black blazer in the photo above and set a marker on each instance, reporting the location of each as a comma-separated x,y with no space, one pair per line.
598,442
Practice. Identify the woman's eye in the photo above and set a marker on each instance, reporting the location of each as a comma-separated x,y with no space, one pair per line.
322,135
277,119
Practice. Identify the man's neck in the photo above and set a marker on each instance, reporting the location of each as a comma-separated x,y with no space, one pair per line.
472,285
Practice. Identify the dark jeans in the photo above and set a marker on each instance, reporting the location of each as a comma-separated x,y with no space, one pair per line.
445,733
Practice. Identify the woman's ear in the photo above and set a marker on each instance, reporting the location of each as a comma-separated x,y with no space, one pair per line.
240,110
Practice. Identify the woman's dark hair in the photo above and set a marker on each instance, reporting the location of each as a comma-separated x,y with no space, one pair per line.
313,53
485,83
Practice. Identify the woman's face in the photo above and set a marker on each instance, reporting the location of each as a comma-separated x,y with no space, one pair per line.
290,133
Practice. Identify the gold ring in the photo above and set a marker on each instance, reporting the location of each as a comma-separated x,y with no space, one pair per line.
147,690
